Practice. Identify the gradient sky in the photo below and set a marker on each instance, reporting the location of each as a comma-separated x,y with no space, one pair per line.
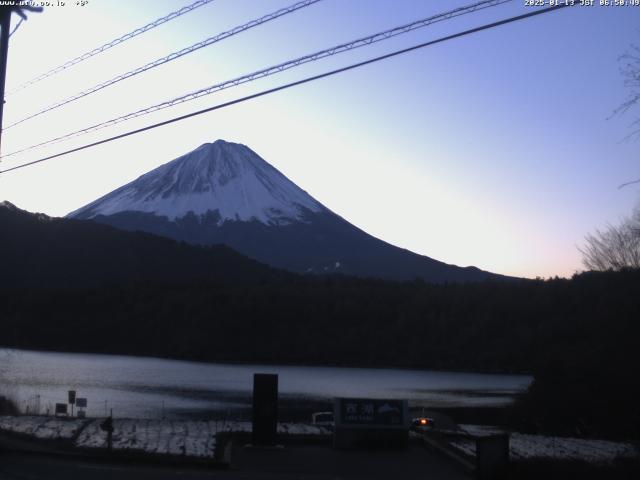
496,150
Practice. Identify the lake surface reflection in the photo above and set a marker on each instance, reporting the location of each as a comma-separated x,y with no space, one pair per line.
152,387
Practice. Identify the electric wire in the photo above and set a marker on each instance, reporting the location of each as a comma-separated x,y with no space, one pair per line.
172,56
296,83
111,44
344,47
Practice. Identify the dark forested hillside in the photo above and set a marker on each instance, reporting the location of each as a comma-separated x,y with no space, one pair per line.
38,251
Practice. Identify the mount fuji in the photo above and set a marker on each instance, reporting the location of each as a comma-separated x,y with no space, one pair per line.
224,192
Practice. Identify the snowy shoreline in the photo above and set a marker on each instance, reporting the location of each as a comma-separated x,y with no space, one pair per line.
179,438
525,447
198,439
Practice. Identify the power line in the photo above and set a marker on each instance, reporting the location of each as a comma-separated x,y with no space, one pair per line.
5,20
296,83
112,43
172,56
344,47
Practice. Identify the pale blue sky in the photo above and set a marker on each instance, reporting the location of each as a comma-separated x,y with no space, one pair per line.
493,150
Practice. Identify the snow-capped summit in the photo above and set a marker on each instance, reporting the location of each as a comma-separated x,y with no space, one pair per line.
225,193
222,177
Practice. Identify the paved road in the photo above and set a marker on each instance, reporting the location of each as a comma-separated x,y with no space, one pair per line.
295,462
37,467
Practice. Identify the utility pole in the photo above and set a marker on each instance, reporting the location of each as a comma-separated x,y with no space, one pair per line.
5,24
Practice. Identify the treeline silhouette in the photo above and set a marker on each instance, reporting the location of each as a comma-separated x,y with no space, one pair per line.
578,337
340,320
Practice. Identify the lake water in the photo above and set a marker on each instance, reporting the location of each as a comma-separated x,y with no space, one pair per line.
152,387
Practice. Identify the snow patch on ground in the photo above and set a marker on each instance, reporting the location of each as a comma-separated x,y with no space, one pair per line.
43,427
186,438
301,429
189,438
481,430
529,447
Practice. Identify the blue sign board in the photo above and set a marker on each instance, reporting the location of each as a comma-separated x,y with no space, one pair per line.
371,412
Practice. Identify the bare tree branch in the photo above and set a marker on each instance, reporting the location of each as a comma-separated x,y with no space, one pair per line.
614,248
629,183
